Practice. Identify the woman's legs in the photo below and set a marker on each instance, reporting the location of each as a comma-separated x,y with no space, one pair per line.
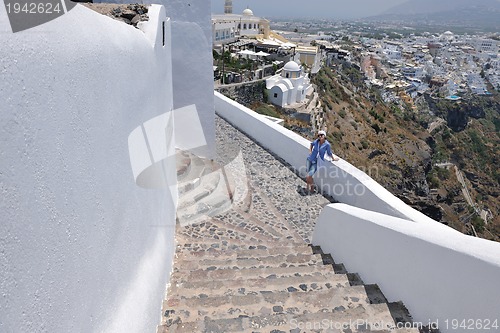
311,170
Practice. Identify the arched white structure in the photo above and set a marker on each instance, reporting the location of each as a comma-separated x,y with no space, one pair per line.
87,211
248,12
228,27
289,87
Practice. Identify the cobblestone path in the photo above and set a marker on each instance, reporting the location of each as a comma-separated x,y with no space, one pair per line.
243,261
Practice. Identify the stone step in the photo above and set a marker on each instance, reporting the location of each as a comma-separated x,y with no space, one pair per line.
300,282
218,194
266,213
187,243
204,210
294,301
208,184
400,313
190,166
245,253
245,221
190,177
275,318
293,328
256,214
269,261
206,231
247,273
215,227
235,174
204,204
198,242
182,162
256,232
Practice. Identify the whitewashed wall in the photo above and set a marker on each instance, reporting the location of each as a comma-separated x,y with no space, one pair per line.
85,242
442,276
192,71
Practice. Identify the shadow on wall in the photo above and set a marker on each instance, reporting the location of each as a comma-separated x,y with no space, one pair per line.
152,147
152,150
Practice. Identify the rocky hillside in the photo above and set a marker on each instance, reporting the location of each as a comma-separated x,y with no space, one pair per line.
399,147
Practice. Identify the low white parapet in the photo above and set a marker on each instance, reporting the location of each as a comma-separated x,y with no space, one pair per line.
343,181
443,277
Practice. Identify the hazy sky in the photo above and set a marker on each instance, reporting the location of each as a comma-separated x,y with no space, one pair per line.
309,8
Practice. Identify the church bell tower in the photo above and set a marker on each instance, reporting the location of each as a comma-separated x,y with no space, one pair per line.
228,7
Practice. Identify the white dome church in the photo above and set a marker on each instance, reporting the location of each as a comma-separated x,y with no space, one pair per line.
229,27
289,87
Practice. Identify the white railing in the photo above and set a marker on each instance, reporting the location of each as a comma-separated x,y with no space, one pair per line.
341,180
443,277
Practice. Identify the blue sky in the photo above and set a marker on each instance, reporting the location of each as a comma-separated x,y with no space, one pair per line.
309,8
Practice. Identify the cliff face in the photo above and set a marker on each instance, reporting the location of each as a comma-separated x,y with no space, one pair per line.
375,137
401,147
458,113
245,94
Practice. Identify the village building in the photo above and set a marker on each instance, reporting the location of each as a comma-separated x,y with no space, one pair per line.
228,27
288,87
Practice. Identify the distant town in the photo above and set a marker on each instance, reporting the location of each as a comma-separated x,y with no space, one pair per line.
446,63
403,61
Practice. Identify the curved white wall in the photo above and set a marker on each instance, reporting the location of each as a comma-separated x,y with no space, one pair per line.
193,74
83,248
441,276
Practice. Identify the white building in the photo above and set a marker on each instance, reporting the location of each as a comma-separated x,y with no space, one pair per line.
289,87
308,55
413,71
476,84
227,28
485,45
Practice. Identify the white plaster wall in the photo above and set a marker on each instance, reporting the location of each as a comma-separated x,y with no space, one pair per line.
440,275
222,28
83,248
281,95
340,179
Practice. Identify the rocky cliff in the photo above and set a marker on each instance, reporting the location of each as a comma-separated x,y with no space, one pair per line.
458,113
246,93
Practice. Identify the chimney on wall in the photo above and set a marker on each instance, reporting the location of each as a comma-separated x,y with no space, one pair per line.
228,7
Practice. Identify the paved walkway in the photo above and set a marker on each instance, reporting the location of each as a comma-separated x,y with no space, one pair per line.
242,263
271,178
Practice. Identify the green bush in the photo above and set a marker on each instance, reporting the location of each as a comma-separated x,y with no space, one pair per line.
478,223
267,110
377,128
432,181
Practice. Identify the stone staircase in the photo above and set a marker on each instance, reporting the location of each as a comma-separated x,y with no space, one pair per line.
240,266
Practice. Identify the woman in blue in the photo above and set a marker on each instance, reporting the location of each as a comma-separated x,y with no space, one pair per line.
318,148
